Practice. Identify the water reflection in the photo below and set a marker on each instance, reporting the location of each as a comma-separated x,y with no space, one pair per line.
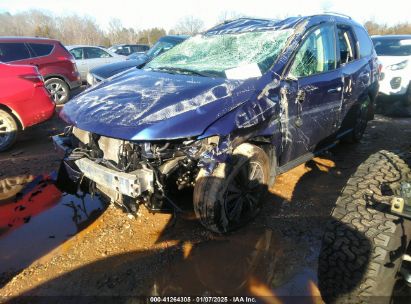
36,217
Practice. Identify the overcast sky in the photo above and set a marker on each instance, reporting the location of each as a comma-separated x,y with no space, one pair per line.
165,13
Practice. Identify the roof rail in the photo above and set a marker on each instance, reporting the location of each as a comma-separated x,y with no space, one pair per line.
337,14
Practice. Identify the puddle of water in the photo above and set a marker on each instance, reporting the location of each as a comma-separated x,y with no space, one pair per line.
37,217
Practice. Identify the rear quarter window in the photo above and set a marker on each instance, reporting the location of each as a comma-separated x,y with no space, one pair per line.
13,51
364,41
40,49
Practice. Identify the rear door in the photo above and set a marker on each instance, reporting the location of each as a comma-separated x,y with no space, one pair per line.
40,55
352,69
78,54
315,93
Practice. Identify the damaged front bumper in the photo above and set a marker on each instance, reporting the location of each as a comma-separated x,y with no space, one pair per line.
111,182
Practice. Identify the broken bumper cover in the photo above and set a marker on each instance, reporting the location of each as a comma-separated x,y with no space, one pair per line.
111,182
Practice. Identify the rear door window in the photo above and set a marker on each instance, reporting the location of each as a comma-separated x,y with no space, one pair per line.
346,44
92,53
41,49
317,54
364,41
13,51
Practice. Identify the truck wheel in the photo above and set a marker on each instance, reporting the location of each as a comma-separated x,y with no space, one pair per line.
58,89
362,247
8,130
232,194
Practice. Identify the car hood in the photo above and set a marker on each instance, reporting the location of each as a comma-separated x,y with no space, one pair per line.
144,105
389,60
108,70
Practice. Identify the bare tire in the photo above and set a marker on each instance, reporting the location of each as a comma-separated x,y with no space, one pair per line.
363,245
231,196
360,122
407,97
59,90
8,130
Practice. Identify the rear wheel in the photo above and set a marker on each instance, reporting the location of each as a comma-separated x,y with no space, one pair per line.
58,89
360,122
232,194
407,97
8,130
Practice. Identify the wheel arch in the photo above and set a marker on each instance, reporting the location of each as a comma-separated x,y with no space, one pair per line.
14,114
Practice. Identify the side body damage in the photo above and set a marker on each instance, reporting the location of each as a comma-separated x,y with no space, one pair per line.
145,135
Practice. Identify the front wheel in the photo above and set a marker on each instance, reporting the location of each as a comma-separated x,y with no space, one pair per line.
58,89
231,196
8,130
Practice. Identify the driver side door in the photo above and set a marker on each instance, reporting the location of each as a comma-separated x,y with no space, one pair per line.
314,94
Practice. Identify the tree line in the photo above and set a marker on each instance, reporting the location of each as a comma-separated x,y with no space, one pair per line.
75,29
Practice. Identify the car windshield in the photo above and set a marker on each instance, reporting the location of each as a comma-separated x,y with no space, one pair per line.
160,47
392,47
214,55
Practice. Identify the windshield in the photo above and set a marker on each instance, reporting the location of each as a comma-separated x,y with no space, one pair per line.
392,47
215,54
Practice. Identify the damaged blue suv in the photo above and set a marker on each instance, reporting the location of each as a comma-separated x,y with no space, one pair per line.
222,114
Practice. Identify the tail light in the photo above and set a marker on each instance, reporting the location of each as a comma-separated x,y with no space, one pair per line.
37,79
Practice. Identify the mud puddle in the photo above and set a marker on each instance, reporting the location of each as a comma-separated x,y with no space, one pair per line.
36,217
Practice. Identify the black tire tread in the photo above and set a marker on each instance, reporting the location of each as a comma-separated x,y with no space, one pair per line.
355,261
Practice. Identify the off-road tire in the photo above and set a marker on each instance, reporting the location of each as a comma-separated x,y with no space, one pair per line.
363,245
59,90
210,196
7,124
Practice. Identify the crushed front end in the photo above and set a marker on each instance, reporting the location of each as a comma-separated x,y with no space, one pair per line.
130,173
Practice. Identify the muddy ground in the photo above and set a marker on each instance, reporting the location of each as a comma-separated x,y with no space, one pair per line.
55,244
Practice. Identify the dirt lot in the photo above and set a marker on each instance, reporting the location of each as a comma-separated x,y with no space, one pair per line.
56,244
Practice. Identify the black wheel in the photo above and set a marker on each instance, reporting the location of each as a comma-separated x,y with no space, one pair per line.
407,97
58,89
363,245
360,122
8,130
232,194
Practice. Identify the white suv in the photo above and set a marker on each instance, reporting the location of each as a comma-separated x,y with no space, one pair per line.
394,52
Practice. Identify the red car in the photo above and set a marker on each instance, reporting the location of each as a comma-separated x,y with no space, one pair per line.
54,62
24,101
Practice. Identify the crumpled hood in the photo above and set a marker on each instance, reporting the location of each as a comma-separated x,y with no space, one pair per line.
143,105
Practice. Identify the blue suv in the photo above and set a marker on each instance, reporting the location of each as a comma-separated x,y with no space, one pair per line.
222,114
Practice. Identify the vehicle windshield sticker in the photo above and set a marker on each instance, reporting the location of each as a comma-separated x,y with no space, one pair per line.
243,72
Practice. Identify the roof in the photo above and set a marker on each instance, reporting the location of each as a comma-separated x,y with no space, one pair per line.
392,36
26,38
174,37
242,25
69,47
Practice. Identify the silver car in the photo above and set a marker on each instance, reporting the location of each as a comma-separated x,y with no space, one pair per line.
88,57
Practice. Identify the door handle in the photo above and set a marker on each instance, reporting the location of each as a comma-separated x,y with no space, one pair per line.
334,90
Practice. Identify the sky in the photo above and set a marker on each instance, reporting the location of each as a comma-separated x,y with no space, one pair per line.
162,13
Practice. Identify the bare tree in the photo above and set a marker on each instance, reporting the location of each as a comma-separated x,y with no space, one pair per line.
229,15
189,25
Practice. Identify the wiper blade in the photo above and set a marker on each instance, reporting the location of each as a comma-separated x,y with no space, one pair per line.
183,70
